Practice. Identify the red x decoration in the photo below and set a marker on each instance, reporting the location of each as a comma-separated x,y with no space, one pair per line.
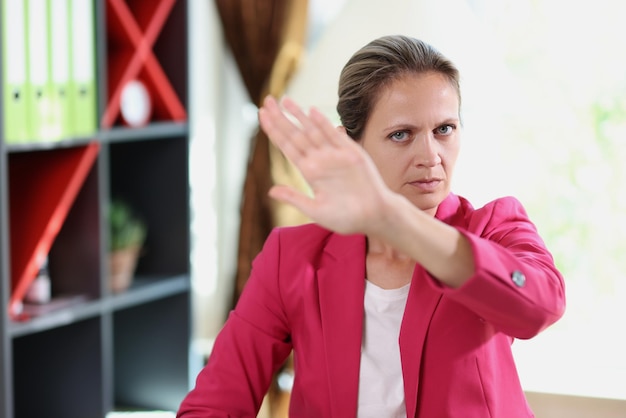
138,29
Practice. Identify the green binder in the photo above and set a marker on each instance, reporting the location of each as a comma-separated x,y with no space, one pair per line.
82,83
14,71
38,88
59,71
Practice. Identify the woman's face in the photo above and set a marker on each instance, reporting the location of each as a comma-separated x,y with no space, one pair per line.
413,137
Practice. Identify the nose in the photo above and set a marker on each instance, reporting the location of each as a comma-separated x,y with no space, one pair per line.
426,151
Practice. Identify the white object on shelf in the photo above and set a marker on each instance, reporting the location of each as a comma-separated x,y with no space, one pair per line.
39,290
135,104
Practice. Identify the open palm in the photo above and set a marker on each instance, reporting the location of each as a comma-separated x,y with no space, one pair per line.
348,193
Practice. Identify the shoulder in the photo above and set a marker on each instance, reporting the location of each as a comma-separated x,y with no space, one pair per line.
301,239
309,233
506,206
313,243
455,208
503,212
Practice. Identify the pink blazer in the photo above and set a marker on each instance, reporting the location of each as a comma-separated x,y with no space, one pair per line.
306,293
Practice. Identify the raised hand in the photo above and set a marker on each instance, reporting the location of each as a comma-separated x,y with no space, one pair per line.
348,193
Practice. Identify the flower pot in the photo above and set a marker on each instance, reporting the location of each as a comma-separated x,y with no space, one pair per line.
122,265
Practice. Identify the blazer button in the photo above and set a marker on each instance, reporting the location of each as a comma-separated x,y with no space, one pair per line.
518,278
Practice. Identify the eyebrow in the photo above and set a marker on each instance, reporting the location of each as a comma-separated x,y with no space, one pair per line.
400,126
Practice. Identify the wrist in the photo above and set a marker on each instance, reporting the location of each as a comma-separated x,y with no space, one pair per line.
390,217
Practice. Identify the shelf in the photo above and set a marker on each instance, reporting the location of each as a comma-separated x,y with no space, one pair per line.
153,333
152,131
62,317
43,146
42,188
90,351
133,29
152,176
145,290
59,380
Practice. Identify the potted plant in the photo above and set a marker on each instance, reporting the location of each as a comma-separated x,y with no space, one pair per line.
127,235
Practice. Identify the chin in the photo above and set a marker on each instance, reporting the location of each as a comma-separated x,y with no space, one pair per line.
429,203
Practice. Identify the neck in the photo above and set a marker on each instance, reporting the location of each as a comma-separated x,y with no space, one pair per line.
380,248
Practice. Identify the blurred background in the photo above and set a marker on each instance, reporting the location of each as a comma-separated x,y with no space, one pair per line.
544,112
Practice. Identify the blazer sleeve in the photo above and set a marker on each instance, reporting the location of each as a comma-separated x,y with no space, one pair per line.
516,286
249,349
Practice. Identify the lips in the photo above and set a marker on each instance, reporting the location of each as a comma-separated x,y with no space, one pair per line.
426,185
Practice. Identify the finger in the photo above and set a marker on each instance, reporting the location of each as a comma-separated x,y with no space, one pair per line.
335,136
287,129
312,132
273,133
280,130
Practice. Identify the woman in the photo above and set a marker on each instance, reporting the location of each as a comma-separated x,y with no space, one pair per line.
401,299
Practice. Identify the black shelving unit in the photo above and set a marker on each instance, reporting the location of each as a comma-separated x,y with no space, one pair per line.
111,351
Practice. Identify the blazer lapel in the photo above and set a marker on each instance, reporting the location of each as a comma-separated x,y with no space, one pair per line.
341,280
420,307
421,304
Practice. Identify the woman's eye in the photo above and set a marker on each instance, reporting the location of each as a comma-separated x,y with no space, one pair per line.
399,136
445,129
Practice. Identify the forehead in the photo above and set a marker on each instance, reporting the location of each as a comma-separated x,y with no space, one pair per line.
428,94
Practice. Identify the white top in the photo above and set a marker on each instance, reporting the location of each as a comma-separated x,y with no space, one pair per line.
381,386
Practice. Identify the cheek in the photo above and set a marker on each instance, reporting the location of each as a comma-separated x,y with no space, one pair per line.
449,155
392,163
392,167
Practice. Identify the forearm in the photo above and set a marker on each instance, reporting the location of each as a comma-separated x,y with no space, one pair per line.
440,248
506,247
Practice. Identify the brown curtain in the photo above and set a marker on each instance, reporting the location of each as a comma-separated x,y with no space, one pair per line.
266,38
